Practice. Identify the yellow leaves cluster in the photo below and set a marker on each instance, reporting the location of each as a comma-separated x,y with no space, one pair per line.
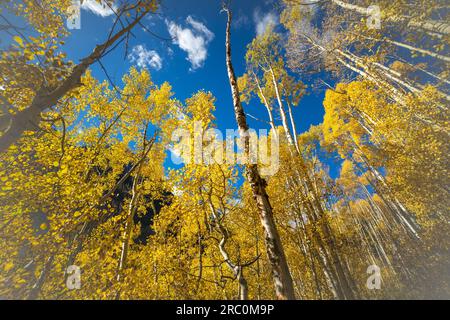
409,140
61,175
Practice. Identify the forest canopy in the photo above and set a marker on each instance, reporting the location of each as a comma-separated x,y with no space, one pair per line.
310,161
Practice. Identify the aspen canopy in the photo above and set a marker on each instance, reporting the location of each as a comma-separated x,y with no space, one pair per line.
254,150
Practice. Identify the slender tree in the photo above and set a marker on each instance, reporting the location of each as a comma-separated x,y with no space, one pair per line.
280,271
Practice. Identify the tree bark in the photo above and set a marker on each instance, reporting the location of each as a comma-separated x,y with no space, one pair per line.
282,112
284,287
266,104
293,125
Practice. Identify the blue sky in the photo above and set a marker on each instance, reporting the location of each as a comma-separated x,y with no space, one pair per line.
192,56
167,61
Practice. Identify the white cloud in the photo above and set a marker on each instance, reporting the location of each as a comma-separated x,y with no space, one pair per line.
192,40
262,21
201,28
240,20
145,58
100,9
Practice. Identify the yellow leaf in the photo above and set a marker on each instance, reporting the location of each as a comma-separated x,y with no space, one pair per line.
18,40
8,266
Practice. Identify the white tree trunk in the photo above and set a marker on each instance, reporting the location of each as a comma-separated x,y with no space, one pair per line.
282,279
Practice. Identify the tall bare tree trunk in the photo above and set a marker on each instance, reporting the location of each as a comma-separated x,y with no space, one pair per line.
282,112
266,104
413,48
132,209
282,279
128,227
293,125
